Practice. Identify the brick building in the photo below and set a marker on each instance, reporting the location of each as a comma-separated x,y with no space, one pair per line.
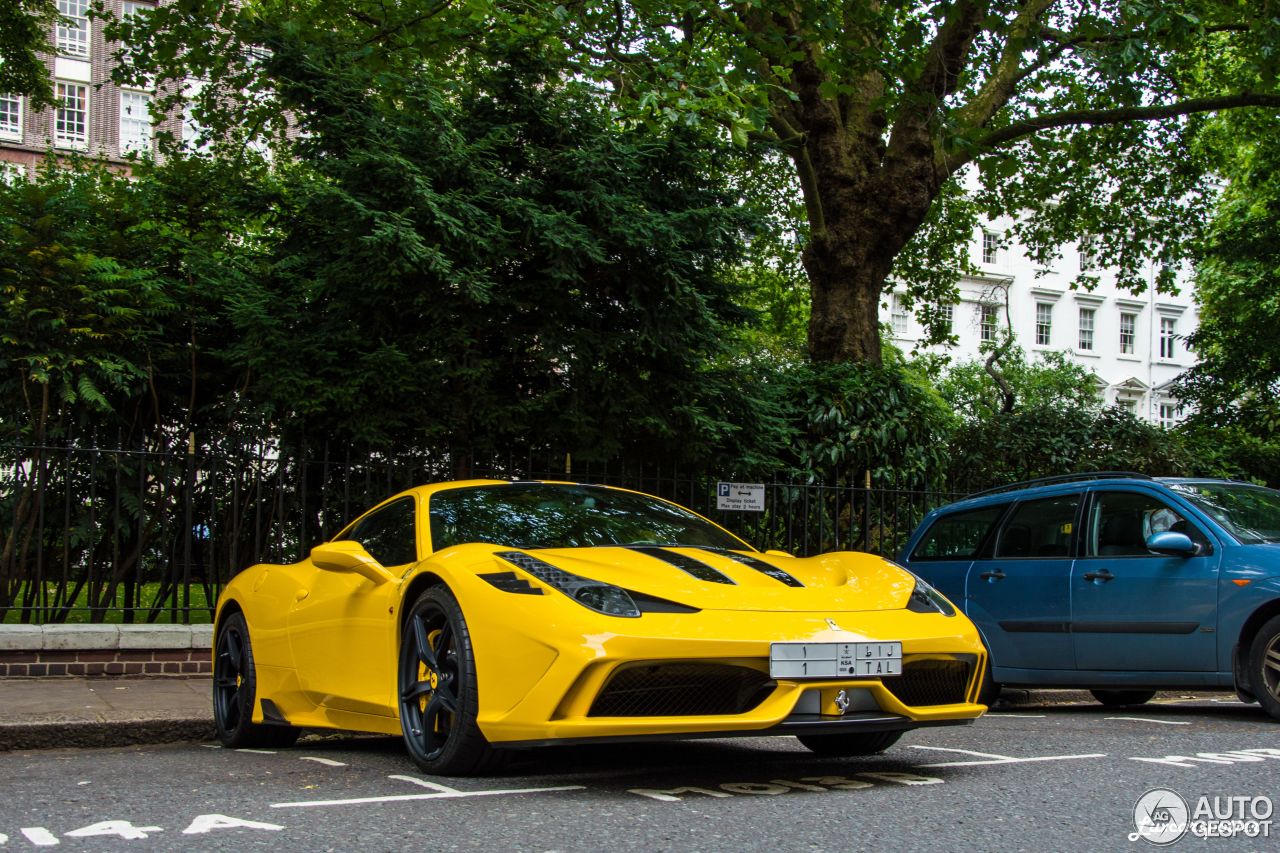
94,116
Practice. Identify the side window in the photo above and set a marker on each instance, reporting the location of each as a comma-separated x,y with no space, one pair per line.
1120,523
957,536
389,534
1039,529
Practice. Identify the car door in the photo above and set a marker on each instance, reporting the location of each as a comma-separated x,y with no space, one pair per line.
1019,595
1133,609
948,547
341,628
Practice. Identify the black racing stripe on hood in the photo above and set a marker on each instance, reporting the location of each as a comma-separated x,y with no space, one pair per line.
759,565
697,568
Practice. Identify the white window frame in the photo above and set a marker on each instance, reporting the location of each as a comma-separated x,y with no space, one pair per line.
990,247
1128,332
1168,337
898,318
1088,251
1167,415
131,8
14,133
1044,324
1088,317
62,139
72,33
948,313
135,142
988,322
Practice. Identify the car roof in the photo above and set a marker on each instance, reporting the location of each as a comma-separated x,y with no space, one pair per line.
1067,483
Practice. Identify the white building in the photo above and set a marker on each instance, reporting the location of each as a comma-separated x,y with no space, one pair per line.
1134,344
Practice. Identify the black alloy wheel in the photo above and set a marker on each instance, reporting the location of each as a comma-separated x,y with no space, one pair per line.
1264,667
1120,698
235,688
859,743
437,689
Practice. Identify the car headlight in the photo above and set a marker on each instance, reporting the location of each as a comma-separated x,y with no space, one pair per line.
594,595
926,599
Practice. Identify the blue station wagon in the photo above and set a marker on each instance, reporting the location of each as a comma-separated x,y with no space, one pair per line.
1116,582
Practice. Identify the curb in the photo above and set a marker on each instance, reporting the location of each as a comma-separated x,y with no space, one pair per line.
95,735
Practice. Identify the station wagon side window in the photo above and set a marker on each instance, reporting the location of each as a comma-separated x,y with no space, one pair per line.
958,535
1120,522
1039,529
388,534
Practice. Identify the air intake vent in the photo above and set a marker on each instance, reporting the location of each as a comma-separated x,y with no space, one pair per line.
682,690
931,682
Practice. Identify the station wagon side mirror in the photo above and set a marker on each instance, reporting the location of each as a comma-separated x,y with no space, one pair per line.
348,555
1172,544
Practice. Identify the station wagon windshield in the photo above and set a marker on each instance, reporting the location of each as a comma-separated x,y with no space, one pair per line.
546,515
1249,513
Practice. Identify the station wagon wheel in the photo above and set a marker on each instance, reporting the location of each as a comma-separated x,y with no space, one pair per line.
858,743
235,687
1264,667
437,689
1120,698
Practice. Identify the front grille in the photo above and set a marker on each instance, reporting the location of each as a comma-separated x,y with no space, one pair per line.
931,682
682,690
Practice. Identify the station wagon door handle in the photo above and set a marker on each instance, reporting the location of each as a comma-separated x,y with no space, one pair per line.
1099,575
996,575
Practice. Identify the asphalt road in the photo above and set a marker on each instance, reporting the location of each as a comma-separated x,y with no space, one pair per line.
1059,778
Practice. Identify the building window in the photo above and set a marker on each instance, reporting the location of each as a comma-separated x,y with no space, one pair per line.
1086,329
11,117
1168,334
1128,404
948,314
1168,415
987,322
1088,251
1044,323
71,119
73,28
1128,325
990,247
133,8
898,317
11,172
135,122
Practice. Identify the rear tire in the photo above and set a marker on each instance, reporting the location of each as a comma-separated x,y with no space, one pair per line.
1264,667
1120,698
863,743
235,688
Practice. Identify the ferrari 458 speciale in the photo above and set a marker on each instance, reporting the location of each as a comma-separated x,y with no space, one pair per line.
477,617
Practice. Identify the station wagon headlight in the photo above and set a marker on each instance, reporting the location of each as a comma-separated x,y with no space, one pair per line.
594,595
926,599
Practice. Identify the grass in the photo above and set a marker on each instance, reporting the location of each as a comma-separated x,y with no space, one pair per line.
200,607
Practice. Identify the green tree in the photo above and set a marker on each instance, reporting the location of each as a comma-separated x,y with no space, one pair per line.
976,391
24,31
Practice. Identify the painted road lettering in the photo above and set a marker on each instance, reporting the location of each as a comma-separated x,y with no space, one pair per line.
1200,759
774,787
40,836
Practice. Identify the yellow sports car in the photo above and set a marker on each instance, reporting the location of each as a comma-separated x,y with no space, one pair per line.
474,617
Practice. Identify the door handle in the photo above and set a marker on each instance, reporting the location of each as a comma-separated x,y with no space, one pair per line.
995,575
1099,575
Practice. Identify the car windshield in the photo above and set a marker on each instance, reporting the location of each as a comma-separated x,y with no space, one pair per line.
1249,513
547,515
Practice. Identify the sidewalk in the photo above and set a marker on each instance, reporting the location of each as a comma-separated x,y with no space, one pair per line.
46,713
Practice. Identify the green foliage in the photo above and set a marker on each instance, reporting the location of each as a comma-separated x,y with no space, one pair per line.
1051,380
24,28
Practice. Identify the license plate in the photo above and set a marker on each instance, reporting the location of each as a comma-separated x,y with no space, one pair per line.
835,660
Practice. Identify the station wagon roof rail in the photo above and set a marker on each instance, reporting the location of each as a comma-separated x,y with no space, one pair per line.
1064,478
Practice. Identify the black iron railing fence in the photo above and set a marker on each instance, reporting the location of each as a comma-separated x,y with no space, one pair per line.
93,534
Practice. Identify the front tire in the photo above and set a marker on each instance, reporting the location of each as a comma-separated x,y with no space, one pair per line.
863,743
1120,698
1264,667
235,688
437,689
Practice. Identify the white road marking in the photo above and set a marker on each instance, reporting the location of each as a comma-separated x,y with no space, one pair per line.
992,758
39,836
212,745
423,783
327,762
1149,720
258,751
400,798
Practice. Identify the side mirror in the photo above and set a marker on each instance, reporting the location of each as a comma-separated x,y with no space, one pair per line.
349,556
1172,544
